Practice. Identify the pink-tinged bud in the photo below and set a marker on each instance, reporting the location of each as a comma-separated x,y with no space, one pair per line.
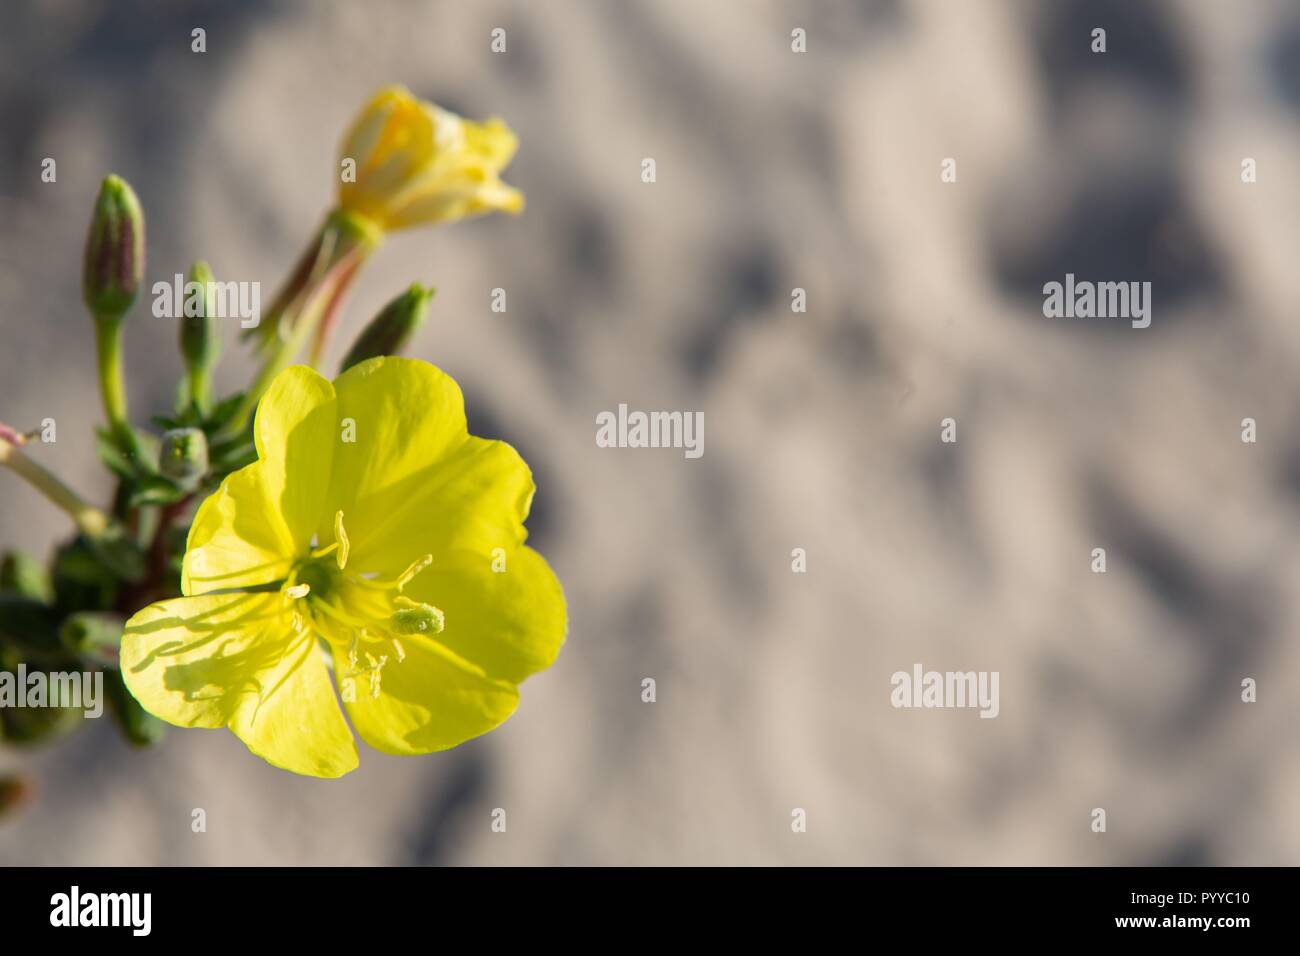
114,262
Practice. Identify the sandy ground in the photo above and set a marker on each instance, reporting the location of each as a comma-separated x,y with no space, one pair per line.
775,170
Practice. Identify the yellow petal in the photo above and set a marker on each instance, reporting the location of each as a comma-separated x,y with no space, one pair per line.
236,660
414,482
430,700
263,516
503,610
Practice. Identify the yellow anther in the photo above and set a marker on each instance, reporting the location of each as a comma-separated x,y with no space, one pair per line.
341,539
415,568
397,583
297,591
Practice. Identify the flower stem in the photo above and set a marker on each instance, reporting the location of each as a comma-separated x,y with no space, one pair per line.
89,519
108,349
308,305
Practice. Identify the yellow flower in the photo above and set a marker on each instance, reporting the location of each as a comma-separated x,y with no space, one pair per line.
418,163
373,535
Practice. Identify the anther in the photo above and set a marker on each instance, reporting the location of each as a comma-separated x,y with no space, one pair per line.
413,570
341,539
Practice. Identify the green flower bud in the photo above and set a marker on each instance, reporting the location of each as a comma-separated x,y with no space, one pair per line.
392,328
184,455
97,636
114,262
201,341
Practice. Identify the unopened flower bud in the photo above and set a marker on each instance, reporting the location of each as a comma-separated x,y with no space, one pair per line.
392,328
184,455
200,336
114,262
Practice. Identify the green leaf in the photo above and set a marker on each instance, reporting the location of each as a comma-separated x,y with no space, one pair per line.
223,413
32,627
231,457
137,724
156,490
187,416
87,575
24,575
111,455
121,464
118,552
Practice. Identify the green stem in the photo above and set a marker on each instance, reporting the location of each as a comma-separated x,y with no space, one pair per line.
89,519
108,347
342,245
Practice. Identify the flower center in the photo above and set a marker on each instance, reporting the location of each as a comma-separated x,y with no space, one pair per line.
370,616
320,577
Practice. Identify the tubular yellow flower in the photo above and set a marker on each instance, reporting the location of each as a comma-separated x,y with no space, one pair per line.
375,536
418,163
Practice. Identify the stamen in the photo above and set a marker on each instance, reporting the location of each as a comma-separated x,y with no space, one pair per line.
297,591
374,665
338,614
413,570
341,539
379,584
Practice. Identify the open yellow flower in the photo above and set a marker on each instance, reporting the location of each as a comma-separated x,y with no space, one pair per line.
418,163
373,533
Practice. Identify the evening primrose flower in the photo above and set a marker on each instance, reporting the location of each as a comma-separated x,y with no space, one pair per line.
375,537
418,163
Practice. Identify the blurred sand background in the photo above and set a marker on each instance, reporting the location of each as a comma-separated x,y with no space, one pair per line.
775,171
